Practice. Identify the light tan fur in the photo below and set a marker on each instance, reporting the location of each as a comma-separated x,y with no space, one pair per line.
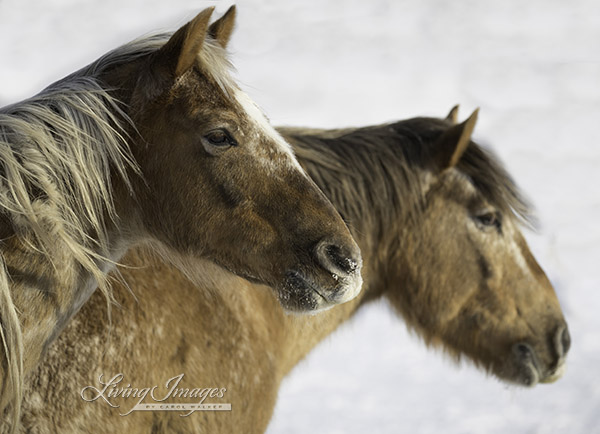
455,278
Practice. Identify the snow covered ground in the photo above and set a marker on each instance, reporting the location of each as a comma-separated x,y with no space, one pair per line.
533,67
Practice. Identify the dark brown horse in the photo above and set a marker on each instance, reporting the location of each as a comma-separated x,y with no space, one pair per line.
155,144
437,219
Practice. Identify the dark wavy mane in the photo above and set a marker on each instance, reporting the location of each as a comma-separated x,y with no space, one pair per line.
382,164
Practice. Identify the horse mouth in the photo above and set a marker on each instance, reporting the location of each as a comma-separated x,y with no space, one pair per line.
530,371
528,374
300,293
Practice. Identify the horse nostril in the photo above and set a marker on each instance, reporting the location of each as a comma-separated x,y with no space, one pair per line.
348,265
523,351
565,341
336,259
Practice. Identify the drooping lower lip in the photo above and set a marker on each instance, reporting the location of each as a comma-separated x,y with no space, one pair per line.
297,283
300,294
555,375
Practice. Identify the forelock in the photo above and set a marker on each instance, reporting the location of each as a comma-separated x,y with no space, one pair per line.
214,61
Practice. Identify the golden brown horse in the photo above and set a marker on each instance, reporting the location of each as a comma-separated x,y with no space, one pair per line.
154,144
437,219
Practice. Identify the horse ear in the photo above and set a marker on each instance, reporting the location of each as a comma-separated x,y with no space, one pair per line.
454,142
180,53
453,115
221,29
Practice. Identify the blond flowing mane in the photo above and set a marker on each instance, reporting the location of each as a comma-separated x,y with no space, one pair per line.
58,152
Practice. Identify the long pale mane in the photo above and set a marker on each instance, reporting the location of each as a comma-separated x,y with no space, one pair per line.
58,152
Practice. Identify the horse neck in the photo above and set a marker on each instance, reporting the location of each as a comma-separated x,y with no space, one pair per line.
47,288
57,229
378,233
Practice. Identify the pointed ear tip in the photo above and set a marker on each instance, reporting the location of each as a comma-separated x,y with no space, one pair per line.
474,116
202,18
206,12
452,115
231,12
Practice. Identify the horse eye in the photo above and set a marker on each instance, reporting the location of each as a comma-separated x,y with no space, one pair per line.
220,137
489,219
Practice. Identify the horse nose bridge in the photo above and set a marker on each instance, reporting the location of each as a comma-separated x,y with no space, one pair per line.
313,212
316,201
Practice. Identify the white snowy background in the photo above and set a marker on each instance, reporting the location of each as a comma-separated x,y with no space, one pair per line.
533,67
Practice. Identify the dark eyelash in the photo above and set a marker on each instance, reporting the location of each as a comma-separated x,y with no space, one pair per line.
220,137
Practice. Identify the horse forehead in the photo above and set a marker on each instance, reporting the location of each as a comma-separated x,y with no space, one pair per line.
465,183
452,185
518,247
274,141
512,248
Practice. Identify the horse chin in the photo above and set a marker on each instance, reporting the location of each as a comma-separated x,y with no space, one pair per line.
555,375
353,286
